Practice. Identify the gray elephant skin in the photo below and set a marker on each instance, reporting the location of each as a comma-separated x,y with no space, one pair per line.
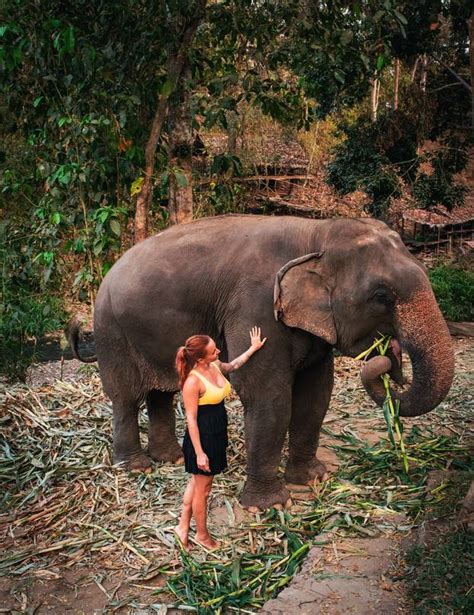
311,285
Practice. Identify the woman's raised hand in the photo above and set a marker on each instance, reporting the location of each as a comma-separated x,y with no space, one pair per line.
255,338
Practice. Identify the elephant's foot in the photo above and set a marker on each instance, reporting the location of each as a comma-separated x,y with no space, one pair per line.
257,497
169,453
305,473
138,462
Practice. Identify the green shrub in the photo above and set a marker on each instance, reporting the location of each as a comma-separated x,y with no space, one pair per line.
25,316
454,291
430,190
440,187
30,305
360,164
379,157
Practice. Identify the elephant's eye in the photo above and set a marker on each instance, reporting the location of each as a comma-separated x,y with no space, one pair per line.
383,296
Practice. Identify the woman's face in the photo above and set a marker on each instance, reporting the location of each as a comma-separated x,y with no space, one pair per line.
212,352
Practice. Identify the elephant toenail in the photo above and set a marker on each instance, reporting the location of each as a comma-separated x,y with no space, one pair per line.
253,509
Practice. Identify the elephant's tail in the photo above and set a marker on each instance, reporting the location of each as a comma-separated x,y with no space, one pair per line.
73,333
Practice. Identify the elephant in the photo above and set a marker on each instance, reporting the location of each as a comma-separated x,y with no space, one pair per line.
311,285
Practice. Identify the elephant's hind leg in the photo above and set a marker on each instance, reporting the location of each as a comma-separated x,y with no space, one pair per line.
127,447
311,395
162,443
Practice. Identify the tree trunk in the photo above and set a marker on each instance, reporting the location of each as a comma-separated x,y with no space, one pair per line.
424,72
181,143
415,66
232,131
146,192
396,84
465,329
374,99
176,62
471,58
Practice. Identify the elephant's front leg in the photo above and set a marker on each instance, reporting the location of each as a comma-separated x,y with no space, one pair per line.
311,395
266,422
162,443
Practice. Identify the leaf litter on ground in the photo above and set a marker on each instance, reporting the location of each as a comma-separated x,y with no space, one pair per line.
63,503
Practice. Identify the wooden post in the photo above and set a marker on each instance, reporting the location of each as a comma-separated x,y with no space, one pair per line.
374,100
396,84
180,148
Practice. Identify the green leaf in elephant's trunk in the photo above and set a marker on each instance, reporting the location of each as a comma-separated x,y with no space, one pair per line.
391,409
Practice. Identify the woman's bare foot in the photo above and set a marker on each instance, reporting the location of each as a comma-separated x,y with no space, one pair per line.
207,542
182,534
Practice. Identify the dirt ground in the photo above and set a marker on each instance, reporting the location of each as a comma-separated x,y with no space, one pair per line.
341,574
351,576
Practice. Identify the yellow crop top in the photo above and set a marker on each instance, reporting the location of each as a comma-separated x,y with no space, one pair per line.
213,394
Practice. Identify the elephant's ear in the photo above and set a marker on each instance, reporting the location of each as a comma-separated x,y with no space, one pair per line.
301,298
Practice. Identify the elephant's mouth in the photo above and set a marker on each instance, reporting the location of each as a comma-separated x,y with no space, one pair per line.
394,356
393,362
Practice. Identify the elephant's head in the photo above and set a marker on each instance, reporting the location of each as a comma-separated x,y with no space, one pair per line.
363,282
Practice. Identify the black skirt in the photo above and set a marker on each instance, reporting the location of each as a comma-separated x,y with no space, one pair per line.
212,425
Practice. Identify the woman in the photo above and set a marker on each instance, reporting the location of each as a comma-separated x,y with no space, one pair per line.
204,386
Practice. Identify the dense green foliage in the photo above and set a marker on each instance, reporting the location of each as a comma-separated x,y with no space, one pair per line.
382,155
247,581
27,312
360,164
77,104
454,291
74,106
24,321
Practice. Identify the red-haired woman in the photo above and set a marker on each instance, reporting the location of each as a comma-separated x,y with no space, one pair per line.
204,386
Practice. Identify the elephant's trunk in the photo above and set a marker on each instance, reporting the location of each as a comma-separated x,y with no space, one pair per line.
423,333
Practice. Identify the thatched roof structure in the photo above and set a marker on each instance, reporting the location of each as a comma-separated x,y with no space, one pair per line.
440,216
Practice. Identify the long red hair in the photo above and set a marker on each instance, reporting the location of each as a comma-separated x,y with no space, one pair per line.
194,348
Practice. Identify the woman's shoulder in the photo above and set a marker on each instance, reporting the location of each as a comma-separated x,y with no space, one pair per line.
191,382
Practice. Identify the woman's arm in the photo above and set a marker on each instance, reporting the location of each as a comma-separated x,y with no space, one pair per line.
190,399
255,344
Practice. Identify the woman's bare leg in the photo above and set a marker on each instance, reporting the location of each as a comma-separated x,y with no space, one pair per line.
182,529
202,489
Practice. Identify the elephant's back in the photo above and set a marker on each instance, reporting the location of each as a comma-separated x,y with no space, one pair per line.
206,248
222,233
